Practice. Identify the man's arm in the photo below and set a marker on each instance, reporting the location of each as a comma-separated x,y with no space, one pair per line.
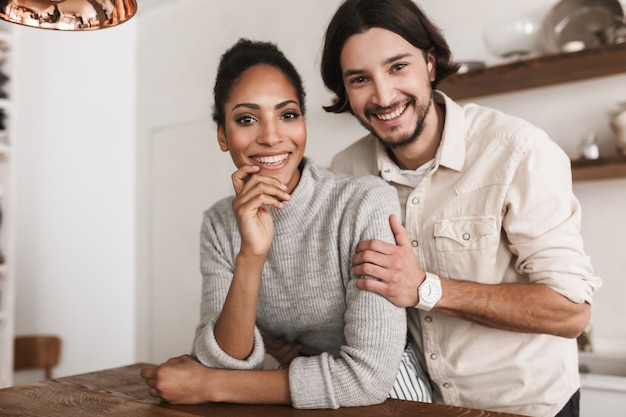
528,308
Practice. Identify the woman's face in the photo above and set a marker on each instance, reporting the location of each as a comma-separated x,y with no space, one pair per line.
264,125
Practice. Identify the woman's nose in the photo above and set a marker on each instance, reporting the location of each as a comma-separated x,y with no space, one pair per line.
269,134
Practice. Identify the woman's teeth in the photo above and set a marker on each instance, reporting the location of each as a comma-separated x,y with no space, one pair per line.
392,115
271,160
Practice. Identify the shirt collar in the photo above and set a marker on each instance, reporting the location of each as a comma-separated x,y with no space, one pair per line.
451,152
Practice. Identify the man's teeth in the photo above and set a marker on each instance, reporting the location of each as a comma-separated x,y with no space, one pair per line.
269,160
392,115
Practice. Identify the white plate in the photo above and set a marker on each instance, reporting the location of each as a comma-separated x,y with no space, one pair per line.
578,21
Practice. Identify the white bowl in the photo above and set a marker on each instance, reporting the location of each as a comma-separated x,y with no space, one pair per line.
514,38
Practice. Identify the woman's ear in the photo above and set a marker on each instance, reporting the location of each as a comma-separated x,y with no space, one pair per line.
221,138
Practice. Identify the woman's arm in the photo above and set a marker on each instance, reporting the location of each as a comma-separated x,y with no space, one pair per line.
234,329
374,330
183,380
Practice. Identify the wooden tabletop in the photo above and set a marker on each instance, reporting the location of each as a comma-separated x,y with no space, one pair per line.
121,392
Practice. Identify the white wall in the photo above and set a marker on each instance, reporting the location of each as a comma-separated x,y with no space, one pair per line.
75,193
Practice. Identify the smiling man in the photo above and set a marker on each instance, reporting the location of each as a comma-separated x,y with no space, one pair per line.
490,261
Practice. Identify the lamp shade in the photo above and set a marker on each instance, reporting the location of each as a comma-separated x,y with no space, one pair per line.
70,15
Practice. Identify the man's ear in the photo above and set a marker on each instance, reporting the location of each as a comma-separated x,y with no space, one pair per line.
431,62
221,138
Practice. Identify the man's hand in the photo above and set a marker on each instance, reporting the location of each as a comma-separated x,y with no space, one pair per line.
281,350
394,268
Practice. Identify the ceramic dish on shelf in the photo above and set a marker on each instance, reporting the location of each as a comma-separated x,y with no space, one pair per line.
513,38
469,66
579,22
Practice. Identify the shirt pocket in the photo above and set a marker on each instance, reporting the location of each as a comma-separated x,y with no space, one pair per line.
465,233
467,247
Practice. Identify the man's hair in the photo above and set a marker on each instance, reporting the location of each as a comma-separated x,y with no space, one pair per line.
403,17
242,56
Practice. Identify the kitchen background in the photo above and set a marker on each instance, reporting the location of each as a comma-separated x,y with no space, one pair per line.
117,159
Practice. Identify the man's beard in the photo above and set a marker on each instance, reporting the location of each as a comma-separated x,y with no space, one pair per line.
422,111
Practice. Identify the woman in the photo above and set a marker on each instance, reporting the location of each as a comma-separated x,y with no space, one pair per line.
275,258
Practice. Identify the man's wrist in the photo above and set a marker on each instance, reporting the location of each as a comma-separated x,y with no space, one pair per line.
429,292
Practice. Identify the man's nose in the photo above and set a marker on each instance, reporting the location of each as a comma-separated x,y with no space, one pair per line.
383,92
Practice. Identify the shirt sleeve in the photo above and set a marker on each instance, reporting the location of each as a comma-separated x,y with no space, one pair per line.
364,371
216,253
543,222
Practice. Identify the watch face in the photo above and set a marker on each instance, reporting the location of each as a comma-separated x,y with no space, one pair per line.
430,292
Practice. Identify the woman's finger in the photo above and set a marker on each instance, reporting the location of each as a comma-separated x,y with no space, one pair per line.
240,177
261,190
246,178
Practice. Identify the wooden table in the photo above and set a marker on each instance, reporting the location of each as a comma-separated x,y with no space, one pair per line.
121,392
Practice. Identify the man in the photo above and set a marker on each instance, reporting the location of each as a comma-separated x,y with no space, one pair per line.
491,265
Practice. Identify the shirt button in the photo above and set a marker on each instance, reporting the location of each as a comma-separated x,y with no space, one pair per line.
433,356
466,236
414,243
415,201
428,319
446,385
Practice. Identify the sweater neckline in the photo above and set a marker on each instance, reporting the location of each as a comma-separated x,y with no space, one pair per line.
304,198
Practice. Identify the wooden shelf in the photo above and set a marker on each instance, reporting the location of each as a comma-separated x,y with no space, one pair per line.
542,72
537,72
598,169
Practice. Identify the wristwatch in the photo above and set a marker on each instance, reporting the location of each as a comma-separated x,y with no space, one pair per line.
429,293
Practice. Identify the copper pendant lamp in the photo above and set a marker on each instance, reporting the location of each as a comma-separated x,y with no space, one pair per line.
67,15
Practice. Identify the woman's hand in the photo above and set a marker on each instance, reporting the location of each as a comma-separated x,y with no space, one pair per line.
180,380
183,380
253,194
281,350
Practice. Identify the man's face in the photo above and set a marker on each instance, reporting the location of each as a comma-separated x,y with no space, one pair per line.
388,84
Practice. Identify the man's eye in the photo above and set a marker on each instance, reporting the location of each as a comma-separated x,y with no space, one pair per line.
398,67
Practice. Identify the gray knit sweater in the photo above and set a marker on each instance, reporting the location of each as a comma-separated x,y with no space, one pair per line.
353,339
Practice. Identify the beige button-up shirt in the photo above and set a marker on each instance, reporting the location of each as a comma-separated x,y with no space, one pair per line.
495,207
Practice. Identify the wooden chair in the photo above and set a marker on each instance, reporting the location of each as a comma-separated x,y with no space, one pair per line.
37,352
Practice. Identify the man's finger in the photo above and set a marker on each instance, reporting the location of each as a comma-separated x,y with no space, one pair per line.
399,232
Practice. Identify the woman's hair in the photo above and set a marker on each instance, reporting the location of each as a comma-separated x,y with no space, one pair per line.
403,17
242,56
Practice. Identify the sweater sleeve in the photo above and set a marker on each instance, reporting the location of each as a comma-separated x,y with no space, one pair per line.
364,371
217,248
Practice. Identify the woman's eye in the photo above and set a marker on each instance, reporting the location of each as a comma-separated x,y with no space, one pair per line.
358,80
245,120
290,115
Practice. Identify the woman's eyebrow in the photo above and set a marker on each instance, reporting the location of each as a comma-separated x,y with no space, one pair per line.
257,107
286,103
246,105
